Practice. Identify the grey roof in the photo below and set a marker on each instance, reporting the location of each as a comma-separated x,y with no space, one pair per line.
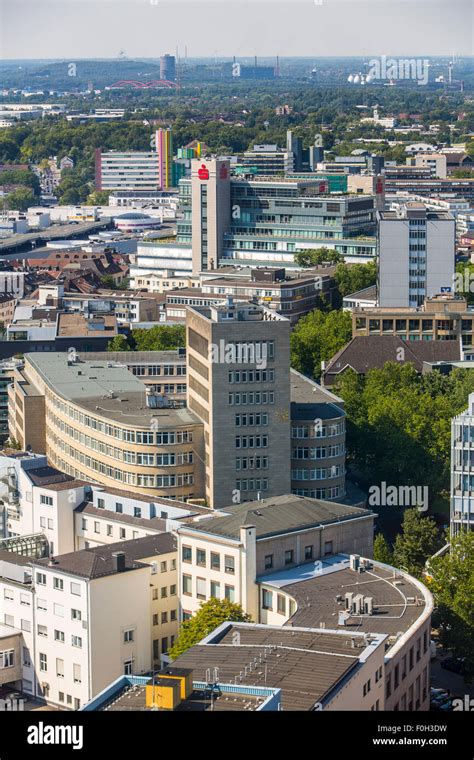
305,665
366,352
155,523
98,562
316,600
369,293
110,392
278,514
135,357
310,401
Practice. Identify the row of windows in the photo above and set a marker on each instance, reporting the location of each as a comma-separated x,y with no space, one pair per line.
322,473
251,420
58,583
164,591
317,430
289,555
252,376
76,641
305,452
257,397
320,493
257,484
251,463
153,370
251,441
215,559
203,592
163,617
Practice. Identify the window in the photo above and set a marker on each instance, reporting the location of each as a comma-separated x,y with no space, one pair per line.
58,610
129,636
96,526
109,530
164,617
164,645
366,688
187,554
46,500
127,667
41,579
201,588
229,593
84,523
164,592
267,599
123,533
42,630
100,503
173,589
118,507
26,658
76,615
268,561
201,557
24,624
77,702
61,696
289,557
76,641
396,676
187,585
76,589
215,561
388,686
59,668
308,552
8,594
43,662
229,564
173,615
7,658
328,548
137,512
163,567
215,590
58,584
156,619
281,604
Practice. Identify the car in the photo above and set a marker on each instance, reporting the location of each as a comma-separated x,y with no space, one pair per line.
454,664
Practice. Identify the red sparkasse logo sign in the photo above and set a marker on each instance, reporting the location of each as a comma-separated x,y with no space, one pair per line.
203,172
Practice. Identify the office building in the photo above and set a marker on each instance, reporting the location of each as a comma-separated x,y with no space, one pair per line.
416,255
127,170
462,480
164,149
168,68
441,318
239,386
97,422
211,211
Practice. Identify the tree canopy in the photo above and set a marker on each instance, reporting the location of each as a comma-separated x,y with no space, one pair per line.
316,338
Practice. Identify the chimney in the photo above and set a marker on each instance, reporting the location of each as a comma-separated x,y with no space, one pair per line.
118,559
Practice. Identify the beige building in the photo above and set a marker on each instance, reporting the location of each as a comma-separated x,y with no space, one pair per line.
224,556
239,386
441,317
211,211
98,423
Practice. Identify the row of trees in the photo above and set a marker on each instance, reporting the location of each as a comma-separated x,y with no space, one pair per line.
157,338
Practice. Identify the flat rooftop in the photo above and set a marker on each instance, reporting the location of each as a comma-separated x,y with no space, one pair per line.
111,392
133,699
311,400
278,514
397,601
72,325
305,664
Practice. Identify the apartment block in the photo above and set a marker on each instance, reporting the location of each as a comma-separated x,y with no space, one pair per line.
239,386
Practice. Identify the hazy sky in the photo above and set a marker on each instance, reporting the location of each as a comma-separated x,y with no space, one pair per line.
147,28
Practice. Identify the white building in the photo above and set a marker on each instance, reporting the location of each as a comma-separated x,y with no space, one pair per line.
416,255
156,259
89,616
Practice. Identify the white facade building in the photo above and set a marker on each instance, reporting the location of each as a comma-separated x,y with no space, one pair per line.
462,478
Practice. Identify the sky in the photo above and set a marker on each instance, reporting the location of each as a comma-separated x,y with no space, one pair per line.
70,29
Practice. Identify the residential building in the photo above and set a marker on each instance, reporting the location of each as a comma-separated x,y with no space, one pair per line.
63,606
416,255
239,387
462,480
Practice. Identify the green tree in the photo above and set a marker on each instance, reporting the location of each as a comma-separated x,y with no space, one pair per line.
312,257
21,198
99,198
208,617
382,551
418,541
317,337
450,578
160,338
119,343
353,277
